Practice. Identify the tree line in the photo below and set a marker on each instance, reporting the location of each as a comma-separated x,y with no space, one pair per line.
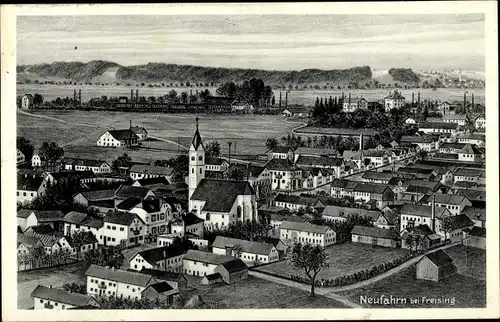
252,91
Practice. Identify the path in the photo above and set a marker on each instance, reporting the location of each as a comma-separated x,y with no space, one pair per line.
342,299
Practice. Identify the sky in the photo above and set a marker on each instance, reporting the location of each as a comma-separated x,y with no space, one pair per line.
272,42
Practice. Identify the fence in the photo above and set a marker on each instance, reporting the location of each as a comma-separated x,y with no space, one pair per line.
34,265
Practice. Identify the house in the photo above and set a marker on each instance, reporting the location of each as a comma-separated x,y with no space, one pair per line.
155,184
314,152
476,238
419,237
424,143
382,194
258,177
375,106
211,279
451,147
410,120
89,198
40,229
26,244
111,282
277,219
297,202
387,220
322,162
454,203
280,152
124,192
414,215
341,188
472,138
200,263
394,100
353,156
78,221
141,132
216,165
151,210
444,108
161,291
57,299
145,171
437,127
89,242
176,280
250,252
50,243
296,232
78,164
27,218
297,111
435,266
460,119
354,103
232,271
29,187
337,213
20,157
165,258
377,177
375,236
480,122
168,239
241,107
376,158
459,224
276,242
478,215
27,101
414,194
285,175
118,138
37,160
469,175
123,226
470,153
82,176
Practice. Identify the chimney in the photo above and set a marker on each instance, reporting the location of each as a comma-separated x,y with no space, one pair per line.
50,286
433,214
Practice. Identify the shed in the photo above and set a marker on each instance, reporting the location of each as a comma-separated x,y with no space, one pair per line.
435,266
211,279
476,238
162,291
232,271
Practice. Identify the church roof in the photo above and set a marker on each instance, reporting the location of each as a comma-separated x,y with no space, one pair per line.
220,194
197,138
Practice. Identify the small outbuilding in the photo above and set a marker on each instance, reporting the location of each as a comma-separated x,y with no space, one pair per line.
211,279
476,237
435,266
161,291
232,271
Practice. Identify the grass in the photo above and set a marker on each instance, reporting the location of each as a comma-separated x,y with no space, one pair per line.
467,288
28,281
261,294
335,131
344,259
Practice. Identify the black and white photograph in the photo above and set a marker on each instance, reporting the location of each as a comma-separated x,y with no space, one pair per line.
252,160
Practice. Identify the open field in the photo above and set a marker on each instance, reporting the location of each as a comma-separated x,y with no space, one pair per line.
306,97
468,290
258,293
335,131
80,130
344,259
28,281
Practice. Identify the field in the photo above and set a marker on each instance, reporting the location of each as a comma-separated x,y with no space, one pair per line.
344,259
78,131
335,131
258,293
306,97
468,287
28,281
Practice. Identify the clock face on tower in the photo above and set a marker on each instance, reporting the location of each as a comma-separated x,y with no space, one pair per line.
193,158
200,158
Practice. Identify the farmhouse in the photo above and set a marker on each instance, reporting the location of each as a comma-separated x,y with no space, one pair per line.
187,224
296,202
280,152
459,224
470,153
354,103
277,219
387,219
78,221
216,165
168,239
414,215
27,101
211,279
27,218
460,119
78,164
313,152
424,143
155,184
29,187
296,232
337,213
200,263
27,243
480,122
151,210
337,165
232,271
376,158
124,226
438,128
118,138
471,138
419,237
435,266
57,299
89,198
478,215
250,252
450,147
141,132
111,282
394,100
341,188
377,177
382,194
454,203
469,175
141,171
37,160
82,176
375,236
124,192
297,111
165,258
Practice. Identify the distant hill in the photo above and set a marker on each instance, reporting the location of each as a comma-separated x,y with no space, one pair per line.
161,72
404,75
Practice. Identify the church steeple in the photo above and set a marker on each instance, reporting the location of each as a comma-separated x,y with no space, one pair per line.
196,142
196,164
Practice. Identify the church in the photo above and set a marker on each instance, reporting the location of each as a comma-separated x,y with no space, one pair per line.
219,202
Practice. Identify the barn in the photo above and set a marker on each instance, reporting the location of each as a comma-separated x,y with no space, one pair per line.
435,266
476,238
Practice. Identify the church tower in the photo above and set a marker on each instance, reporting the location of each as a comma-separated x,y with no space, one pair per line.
196,163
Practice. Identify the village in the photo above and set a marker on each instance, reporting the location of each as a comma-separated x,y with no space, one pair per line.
308,217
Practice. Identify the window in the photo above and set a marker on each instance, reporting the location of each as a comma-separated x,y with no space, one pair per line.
41,301
122,229
24,194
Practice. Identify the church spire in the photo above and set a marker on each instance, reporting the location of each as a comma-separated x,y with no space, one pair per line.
197,137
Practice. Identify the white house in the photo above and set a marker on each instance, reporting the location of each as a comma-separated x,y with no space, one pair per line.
187,224
168,239
284,174
294,202
280,152
460,119
124,226
152,212
27,101
472,138
118,138
45,298
353,104
454,203
470,153
145,171
480,122
111,282
200,263
29,187
216,165
295,232
27,218
438,128
79,221
394,100
250,252
78,164
37,160
164,258
141,132
410,120
415,215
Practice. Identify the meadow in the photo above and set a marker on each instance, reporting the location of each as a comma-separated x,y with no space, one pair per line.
303,97
78,131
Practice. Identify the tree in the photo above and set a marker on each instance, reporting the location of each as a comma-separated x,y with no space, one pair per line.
213,150
51,152
271,143
237,250
75,288
447,226
24,145
122,161
236,174
105,256
37,99
78,239
273,101
184,97
311,259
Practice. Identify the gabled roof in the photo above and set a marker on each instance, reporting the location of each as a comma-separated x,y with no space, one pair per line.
42,229
125,192
304,227
374,232
121,218
374,153
138,129
75,217
469,172
123,134
154,255
418,190
28,183
375,175
280,164
420,230
343,183
474,212
24,213
281,149
417,139
220,194
315,151
319,161
371,187
151,204
48,215
478,232
460,221
235,265
423,211
437,125
447,199
117,275
249,170
204,257
449,145
213,277
61,296
161,275
47,240
83,162
153,181
455,117
87,174
395,95
297,200
161,287
27,240
246,246
470,149
129,203
439,258
152,169
343,212
98,194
